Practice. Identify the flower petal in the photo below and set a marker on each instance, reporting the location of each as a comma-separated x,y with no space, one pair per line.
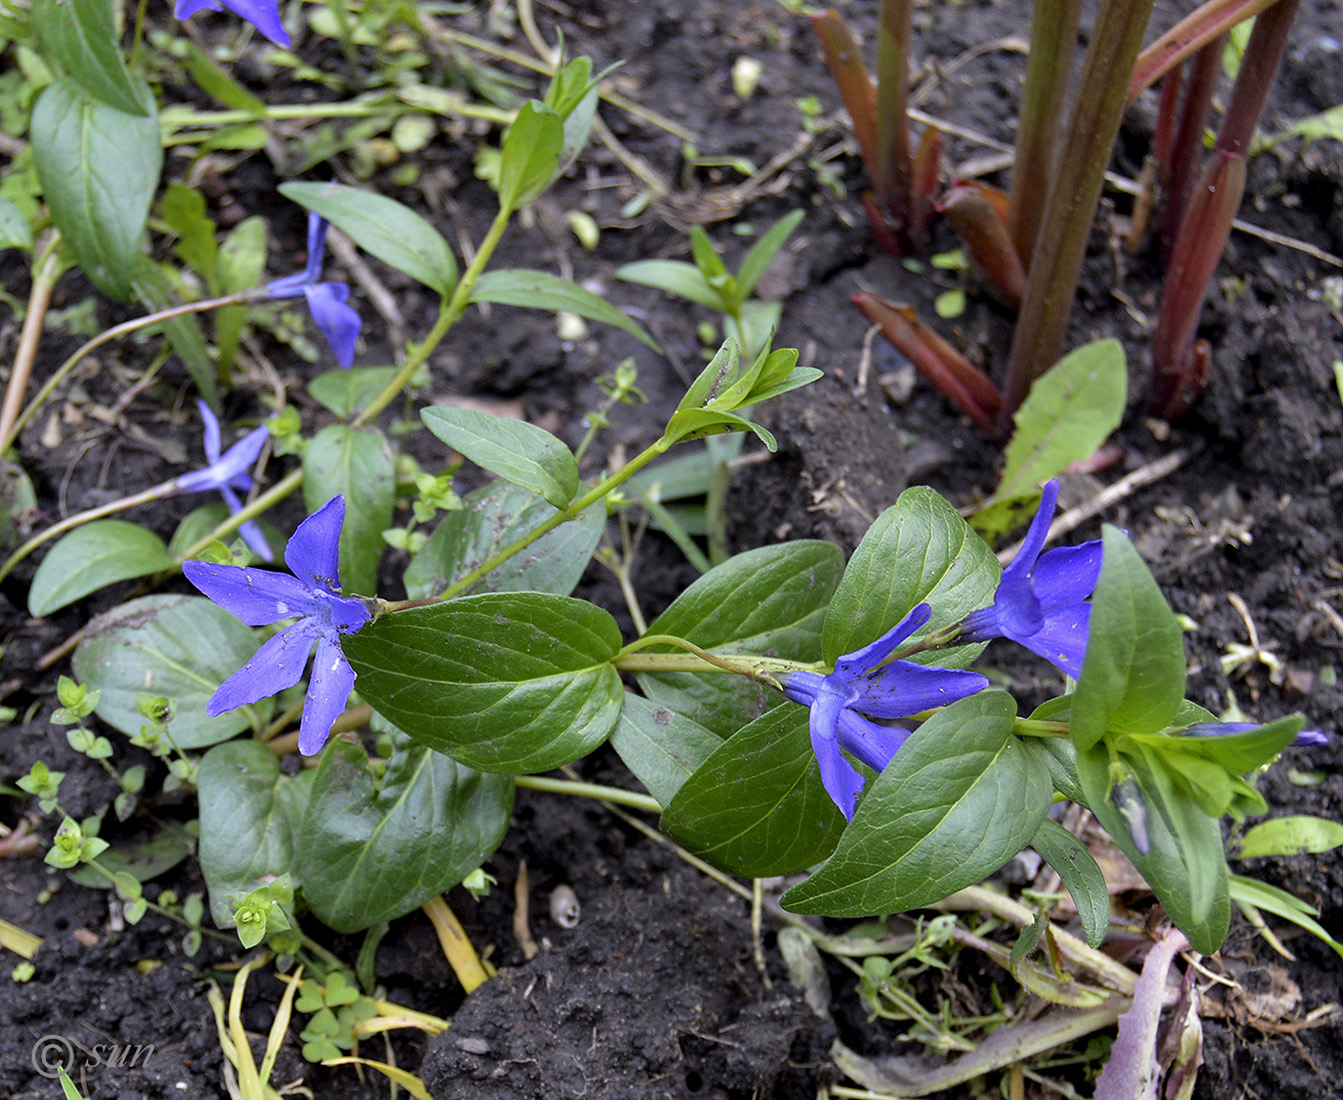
230,470
1067,574
262,14
317,226
854,664
339,323
801,687
328,691
904,688
1062,641
256,596
210,426
277,665
185,9
1034,541
840,778
875,745
313,553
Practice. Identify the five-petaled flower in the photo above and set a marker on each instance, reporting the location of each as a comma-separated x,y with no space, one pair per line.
327,301
262,14
259,597
1041,601
228,474
861,688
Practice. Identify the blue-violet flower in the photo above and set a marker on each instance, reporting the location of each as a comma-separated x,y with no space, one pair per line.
1041,601
338,322
228,474
262,14
844,703
259,597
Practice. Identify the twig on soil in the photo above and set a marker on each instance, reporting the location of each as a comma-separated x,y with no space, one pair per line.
522,931
48,270
457,948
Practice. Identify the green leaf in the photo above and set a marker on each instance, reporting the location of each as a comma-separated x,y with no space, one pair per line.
515,450
691,424
91,557
766,601
250,815
672,277
15,231
1259,895
98,167
531,154
504,682
1133,674
756,807
346,392
82,36
492,518
1080,874
961,798
660,747
1183,861
356,462
1069,412
539,290
764,250
213,80
181,647
1294,835
371,852
384,227
183,208
918,550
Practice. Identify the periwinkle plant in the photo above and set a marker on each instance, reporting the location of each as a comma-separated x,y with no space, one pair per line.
794,713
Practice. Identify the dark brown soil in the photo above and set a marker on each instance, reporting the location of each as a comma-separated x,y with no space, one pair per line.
655,992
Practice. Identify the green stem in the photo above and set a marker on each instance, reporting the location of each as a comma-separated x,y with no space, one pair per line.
590,790
139,34
1030,727
46,271
156,492
449,313
694,659
175,119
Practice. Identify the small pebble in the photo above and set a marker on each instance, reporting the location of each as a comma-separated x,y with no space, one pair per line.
564,907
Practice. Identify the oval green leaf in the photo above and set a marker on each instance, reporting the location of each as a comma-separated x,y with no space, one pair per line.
98,168
539,290
767,601
1133,674
660,747
181,647
757,807
384,227
91,557
250,815
1080,874
490,519
918,550
82,36
531,154
371,852
515,450
961,798
503,682
1294,835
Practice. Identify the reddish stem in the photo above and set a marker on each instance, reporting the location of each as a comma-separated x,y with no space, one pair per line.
974,214
1187,147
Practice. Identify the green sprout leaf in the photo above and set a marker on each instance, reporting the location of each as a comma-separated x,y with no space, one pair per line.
384,227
